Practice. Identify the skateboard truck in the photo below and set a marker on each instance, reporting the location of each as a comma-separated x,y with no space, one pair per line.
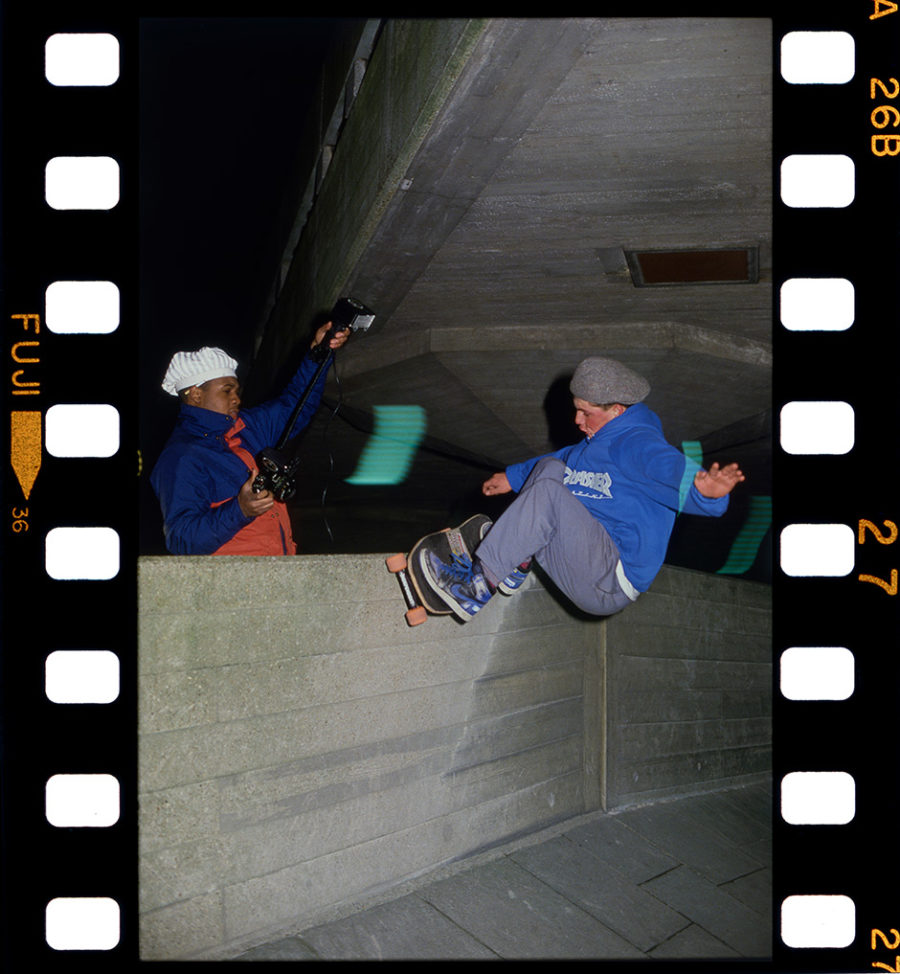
448,544
277,466
415,611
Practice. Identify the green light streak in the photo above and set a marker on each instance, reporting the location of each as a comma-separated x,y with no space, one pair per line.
749,538
693,453
389,452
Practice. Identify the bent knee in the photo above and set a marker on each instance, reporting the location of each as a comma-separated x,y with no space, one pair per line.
549,468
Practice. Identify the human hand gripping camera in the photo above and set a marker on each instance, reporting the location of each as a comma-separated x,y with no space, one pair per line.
276,467
273,478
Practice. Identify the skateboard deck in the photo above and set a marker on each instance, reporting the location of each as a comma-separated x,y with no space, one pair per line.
420,600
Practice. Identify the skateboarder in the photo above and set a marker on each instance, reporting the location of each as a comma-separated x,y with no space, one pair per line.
597,516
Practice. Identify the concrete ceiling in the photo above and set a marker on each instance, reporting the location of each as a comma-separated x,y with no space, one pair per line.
499,263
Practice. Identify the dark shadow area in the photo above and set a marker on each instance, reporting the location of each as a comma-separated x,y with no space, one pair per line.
561,431
330,515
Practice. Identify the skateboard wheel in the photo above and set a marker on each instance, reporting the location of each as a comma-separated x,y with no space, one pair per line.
396,563
416,616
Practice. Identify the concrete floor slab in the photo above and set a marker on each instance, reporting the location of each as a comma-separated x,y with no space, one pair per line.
761,850
741,824
611,840
757,802
604,892
692,943
518,916
288,948
601,890
754,890
691,838
408,927
710,907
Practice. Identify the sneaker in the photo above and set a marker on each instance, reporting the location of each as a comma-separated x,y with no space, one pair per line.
515,578
460,584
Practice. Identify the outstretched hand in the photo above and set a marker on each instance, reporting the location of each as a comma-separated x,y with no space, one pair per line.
497,484
718,481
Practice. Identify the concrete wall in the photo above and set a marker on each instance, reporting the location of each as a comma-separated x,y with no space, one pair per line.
302,749
413,66
689,671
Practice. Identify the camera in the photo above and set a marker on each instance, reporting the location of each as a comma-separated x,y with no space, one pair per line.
276,467
276,474
346,313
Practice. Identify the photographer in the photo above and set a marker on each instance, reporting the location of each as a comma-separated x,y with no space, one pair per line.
204,475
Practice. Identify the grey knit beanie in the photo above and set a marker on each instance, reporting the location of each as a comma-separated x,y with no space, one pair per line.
604,380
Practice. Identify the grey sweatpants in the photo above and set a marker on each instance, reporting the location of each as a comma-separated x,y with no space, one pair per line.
548,522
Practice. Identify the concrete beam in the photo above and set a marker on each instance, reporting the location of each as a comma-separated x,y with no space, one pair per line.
412,68
391,349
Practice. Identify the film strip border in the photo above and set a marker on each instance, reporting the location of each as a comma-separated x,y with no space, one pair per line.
70,486
837,142
68,623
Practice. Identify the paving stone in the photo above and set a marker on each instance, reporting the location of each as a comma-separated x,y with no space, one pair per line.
518,916
602,891
404,929
611,840
692,840
761,850
737,820
289,948
611,888
732,922
756,801
692,942
754,890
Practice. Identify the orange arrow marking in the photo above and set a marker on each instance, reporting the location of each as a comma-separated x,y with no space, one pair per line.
25,448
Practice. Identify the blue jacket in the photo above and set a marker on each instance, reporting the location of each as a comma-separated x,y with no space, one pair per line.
196,469
635,483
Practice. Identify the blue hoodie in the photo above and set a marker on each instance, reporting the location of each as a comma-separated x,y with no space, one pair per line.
635,483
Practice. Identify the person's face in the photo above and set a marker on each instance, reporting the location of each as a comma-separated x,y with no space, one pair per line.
220,395
590,417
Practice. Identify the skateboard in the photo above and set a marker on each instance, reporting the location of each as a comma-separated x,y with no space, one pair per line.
420,600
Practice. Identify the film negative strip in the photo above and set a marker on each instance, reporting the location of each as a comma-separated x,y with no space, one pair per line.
70,540
835,608
69,586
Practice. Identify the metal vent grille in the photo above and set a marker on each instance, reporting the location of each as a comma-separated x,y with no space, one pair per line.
655,268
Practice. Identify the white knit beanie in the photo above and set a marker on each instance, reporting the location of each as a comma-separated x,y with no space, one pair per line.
194,368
